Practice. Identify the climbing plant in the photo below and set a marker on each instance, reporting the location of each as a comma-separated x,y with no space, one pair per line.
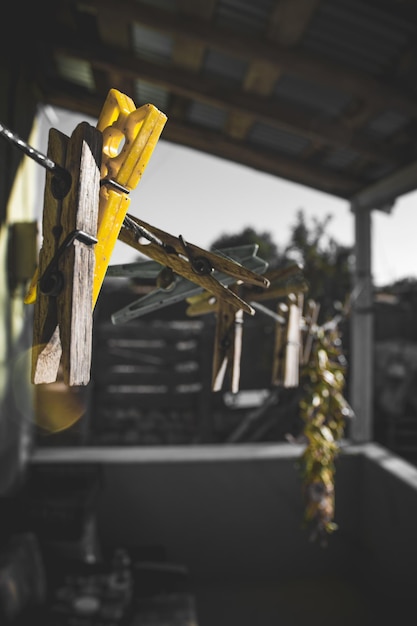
324,411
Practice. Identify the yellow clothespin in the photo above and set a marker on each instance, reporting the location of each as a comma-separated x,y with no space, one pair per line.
190,261
137,131
62,327
201,304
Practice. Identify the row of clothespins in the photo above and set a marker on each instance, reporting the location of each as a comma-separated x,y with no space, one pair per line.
285,292
86,200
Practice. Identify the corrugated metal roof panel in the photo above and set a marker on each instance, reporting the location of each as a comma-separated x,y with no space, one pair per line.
146,93
166,5
408,80
386,124
360,35
206,115
339,159
75,70
376,170
244,15
151,45
277,139
217,63
311,95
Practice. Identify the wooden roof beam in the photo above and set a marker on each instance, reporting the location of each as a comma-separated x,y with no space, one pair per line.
214,92
216,144
291,60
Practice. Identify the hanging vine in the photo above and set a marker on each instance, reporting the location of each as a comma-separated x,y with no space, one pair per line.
324,411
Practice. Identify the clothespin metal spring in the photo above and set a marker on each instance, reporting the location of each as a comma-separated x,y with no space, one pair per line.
200,265
52,281
114,184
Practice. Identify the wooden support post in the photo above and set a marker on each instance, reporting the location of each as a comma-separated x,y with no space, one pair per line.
362,332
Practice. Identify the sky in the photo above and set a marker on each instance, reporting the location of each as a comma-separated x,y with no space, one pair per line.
201,197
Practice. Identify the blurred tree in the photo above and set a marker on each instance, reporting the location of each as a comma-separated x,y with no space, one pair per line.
268,250
326,263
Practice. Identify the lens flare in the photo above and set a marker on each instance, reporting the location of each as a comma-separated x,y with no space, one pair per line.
57,406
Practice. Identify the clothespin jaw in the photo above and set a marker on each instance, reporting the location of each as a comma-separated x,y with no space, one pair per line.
137,131
62,327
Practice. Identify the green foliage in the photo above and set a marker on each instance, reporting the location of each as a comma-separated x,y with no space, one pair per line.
268,250
324,411
326,263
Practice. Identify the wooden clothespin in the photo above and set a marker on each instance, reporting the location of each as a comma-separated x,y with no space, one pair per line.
278,358
172,288
311,316
229,326
293,344
191,262
227,346
287,346
62,327
227,349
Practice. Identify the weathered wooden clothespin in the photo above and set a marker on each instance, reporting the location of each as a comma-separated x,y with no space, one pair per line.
279,351
293,342
62,326
227,346
288,344
229,326
191,262
310,317
172,287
